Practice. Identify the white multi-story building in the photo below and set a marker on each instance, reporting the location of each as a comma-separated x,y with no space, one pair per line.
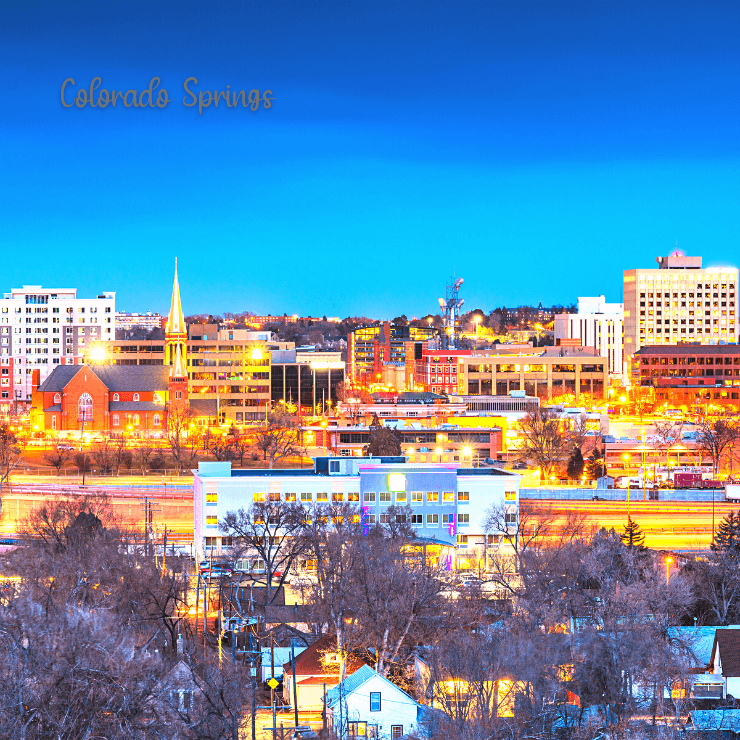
597,324
448,503
148,320
679,302
41,328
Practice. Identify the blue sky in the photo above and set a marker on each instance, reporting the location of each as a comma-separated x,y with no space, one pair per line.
536,149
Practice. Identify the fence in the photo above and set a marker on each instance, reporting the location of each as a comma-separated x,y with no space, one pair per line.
620,494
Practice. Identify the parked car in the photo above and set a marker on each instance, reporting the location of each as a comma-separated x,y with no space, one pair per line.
304,732
65,446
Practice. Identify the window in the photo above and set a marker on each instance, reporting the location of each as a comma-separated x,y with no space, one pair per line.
157,398
385,497
136,420
307,497
258,496
448,519
370,519
211,498
510,518
375,701
448,496
136,396
57,398
212,520
116,420
462,539
417,519
85,407
510,496
322,497
369,497
401,498
463,518
337,498
432,520
396,732
432,497
157,420
416,497
385,518
463,497
274,497
116,397
54,421
290,498
353,496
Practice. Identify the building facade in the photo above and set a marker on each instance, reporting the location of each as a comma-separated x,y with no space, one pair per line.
370,347
679,301
41,328
448,503
597,324
547,374
307,379
691,377
147,321
134,400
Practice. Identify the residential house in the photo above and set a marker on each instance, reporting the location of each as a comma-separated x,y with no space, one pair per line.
316,670
368,705
725,660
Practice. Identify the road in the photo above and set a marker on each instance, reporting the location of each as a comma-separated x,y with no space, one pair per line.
667,525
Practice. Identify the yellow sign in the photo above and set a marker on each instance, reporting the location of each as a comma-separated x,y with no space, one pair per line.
272,683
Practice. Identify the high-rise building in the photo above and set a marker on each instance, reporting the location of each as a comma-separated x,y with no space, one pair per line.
370,347
41,328
597,324
679,301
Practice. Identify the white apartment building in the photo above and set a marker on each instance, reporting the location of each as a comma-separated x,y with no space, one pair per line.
679,301
128,321
41,328
597,324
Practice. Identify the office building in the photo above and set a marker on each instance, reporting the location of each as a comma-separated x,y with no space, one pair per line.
41,328
370,347
448,502
597,324
146,321
679,301
690,377
307,379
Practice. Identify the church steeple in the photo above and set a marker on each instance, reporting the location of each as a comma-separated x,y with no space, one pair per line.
176,335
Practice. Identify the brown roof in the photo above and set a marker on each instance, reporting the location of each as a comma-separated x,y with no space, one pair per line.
309,662
728,643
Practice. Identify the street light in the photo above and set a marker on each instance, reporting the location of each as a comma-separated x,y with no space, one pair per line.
668,562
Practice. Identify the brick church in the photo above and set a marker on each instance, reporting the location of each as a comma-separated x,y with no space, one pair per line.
133,399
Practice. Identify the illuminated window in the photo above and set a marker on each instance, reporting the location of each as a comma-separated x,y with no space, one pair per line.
157,420
116,420
432,497
85,407
57,398
416,497
211,520
136,396
448,496
290,498
258,496
463,497
211,498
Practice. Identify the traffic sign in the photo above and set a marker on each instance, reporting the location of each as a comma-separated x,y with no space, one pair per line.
272,683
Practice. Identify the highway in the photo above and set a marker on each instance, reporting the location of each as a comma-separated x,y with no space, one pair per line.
667,525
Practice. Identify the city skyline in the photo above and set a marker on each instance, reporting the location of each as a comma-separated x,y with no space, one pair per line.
530,141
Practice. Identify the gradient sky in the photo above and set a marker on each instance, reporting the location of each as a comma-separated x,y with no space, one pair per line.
535,149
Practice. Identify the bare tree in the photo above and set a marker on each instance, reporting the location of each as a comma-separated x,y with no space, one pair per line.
666,433
278,439
351,399
542,443
143,454
58,456
272,530
715,437
222,448
182,437
10,451
104,455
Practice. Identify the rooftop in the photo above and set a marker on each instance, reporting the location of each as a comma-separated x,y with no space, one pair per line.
690,349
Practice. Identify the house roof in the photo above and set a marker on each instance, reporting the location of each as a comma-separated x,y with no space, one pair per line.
309,662
352,683
127,378
690,349
699,640
728,643
716,720
58,378
55,407
116,378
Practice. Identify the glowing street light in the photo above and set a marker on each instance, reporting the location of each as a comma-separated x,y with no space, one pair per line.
668,562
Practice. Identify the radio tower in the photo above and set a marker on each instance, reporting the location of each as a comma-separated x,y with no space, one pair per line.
451,305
